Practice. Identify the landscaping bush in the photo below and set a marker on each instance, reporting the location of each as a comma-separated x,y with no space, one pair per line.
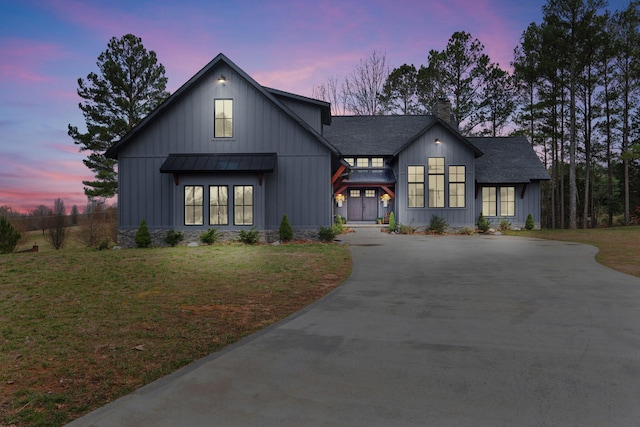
505,225
406,229
483,224
529,224
285,231
438,225
327,234
392,222
173,238
9,237
143,237
339,224
467,231
210,236
249,237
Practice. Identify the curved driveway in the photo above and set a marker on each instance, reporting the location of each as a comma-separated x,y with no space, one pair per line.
427,331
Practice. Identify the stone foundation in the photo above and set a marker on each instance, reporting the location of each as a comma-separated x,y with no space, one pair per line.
127,238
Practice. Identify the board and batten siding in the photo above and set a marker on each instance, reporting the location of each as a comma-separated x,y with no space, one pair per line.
260,126
455,153
525,205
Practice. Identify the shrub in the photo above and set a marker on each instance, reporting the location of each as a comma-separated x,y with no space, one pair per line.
285,231
438,225
9,237
468,231
104,244
249,237
338,224
529,224
173,238
406,229
483,224
392,222
210,236
327,234
504,224
143,237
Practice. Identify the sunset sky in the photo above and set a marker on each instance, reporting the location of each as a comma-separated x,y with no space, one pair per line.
46,45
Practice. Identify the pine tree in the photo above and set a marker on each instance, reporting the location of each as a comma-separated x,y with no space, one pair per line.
130,84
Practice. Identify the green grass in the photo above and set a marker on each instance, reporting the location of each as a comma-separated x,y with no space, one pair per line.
80,327
619,247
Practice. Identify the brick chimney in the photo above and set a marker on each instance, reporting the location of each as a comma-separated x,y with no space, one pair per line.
442,110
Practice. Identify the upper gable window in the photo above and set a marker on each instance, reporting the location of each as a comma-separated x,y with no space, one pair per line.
349,160
223,122
377,162
362,162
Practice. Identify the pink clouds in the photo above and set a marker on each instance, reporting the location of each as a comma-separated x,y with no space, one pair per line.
22,60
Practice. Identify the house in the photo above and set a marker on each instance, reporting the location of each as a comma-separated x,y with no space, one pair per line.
225,152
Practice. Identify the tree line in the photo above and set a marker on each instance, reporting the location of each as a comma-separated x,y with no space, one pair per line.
573,89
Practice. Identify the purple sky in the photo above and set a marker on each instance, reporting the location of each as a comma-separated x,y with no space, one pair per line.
45,46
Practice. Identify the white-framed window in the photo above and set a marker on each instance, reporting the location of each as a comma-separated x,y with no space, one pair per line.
362,162
377,162
223,118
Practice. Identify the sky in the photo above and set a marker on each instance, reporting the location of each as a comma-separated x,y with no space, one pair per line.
290,45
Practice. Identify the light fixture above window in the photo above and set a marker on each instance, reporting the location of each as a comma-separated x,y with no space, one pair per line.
438,141
222,78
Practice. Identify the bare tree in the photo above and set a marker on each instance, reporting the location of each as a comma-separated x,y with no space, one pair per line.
58,225
331,92
362,88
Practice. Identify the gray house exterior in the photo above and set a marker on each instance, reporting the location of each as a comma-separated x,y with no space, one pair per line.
225,152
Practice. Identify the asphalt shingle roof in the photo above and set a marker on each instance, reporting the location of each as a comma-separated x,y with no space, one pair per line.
507,160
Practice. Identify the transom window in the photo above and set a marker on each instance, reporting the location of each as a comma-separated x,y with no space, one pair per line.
415,186
193,205
223,123
243,205
218,205
436,182
456,186
507,201
489,201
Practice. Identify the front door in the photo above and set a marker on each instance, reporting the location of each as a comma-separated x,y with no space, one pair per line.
362,205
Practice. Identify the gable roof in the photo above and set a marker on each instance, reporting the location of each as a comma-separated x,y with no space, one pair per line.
113,151
382,135
509,160
325,107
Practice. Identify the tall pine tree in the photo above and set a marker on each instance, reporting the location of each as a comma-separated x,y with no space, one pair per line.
129,85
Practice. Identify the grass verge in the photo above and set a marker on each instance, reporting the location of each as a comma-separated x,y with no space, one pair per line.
80,328
619,247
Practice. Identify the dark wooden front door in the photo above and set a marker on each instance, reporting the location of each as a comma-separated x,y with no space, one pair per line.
362,205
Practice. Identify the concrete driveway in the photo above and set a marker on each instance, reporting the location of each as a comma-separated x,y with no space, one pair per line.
427,331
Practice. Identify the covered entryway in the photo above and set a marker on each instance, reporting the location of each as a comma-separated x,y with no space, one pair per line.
362,204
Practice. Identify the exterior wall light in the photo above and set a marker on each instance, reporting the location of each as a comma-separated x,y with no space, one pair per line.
385,199
438,141
340,198
222,78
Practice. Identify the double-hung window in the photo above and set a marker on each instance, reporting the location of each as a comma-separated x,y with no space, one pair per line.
507,201
218,205
223,118
489,201
415,186
243,205
436,182
193,205
456,186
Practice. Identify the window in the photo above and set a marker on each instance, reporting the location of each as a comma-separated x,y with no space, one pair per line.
369,193
223,123
362,162
377,162
507,201
489,201
193,205
456,186
218,205
350,160
436,182
415,186
354,193
243,205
